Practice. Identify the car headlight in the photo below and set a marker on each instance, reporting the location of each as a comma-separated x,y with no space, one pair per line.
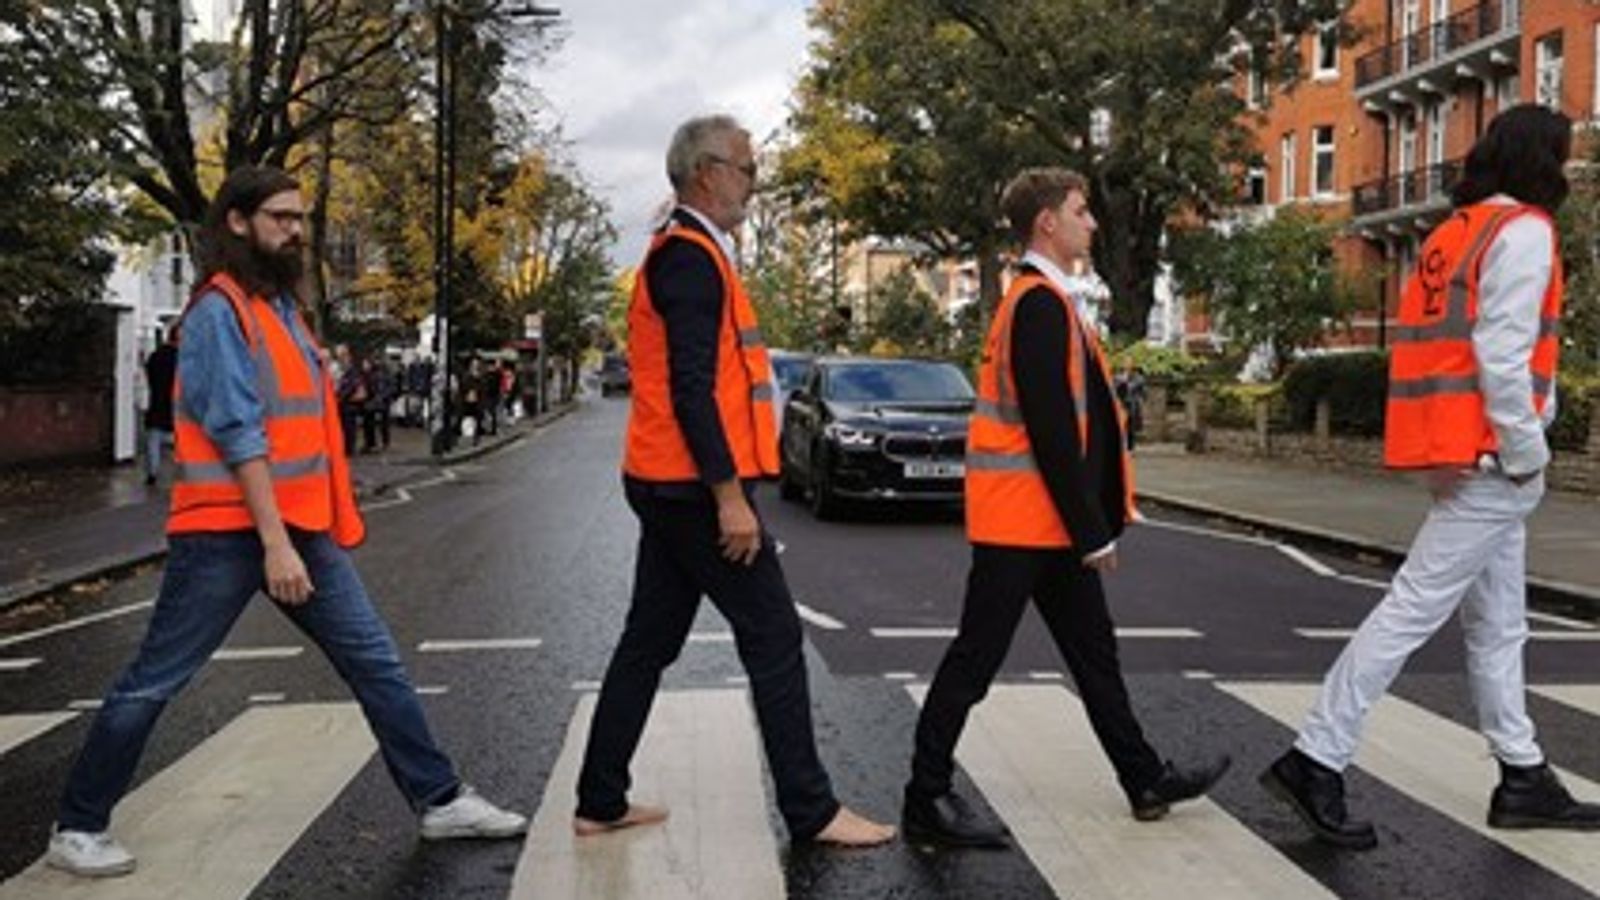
846,436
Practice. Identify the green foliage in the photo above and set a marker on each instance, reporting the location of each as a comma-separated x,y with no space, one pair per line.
1579,222
1158,363
1356,386
905,320
791,290
1272,284
59,344
1233,405
1575,410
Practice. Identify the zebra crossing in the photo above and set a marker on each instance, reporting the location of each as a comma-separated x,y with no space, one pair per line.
218,819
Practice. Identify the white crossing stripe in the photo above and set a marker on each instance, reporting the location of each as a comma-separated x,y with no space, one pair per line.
1305,559
215,822
246,653
85,704
456,646
700,759
71,624
1344,634
19,665
19,729
1580,696
1122,633
711,637
1563,621
1441,764
267,697
1031,751
818,618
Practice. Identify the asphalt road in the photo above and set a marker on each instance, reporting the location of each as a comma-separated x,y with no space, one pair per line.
534,545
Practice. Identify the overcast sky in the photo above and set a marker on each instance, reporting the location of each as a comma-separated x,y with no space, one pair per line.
631,70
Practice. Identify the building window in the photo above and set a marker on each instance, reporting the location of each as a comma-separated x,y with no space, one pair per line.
1506,91
1286,168
1326,48
1256,186
1255,88
1322,161
1547,71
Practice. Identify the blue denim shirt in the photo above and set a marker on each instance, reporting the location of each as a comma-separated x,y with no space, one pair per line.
219,378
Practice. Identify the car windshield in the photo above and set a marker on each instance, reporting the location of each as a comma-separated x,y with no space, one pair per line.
791,370
899,382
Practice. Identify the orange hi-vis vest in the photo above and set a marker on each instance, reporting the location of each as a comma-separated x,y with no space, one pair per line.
1008,504
305,442
1434,414
656,449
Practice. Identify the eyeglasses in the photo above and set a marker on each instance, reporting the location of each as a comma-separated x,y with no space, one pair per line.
749,168
283,218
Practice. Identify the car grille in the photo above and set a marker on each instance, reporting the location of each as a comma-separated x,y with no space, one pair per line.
931,447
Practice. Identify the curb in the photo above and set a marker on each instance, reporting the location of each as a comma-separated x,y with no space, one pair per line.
115,566
1549,594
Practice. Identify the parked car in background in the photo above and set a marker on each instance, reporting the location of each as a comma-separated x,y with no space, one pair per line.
614,375
789,371
862,428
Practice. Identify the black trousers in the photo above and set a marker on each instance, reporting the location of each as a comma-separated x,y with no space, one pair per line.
1073,605
679,561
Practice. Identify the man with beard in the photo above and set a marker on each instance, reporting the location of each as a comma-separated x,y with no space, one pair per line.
700,434
262,500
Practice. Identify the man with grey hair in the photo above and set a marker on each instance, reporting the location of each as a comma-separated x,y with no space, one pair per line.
700,434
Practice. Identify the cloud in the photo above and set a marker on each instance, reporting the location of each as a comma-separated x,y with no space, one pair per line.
631,70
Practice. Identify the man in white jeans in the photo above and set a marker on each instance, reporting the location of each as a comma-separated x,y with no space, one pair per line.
1471,392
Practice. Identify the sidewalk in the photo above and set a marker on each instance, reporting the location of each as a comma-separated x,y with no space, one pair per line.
1371,512
59,527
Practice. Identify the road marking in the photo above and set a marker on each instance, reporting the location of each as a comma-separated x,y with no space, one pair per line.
83,705
1364,582
1047,676
470,644
1563,621
900,676
1307,560
711,637
1031,750
216,822
1441,764
75,623
230,654
1122,633
894,633
19,729
447,475
586,685
1579,696
1341,634
737,680
820,619
401,498
267,697
432,690
701,759
1198,675
1211,532
20,664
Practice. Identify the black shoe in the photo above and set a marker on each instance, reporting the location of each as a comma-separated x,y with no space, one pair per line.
1533,797
1177,785
947,819
1316,793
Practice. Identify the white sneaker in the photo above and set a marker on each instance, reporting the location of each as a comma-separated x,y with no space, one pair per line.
89,855
471,816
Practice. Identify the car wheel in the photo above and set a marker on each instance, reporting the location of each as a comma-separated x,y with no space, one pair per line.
825,504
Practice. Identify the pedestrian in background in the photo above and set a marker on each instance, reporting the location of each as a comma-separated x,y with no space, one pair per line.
1049,489
160,368
1130,393
263,501
700,434
352,394
1472,376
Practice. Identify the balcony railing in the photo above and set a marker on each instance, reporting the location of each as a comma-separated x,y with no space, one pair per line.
1415,188
1436,41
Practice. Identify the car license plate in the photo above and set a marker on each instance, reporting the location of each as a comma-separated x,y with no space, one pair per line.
935,470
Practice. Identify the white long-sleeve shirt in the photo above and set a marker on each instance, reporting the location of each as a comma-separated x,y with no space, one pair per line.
1515,274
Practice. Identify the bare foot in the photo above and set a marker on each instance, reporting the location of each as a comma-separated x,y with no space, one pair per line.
636,815
851,830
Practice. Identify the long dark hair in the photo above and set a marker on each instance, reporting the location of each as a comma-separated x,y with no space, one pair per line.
1521,155
220,250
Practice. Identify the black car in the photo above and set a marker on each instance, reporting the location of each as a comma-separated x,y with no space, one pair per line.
614,375
875,429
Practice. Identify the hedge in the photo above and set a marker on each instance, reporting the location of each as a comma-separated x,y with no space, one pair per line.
1354,384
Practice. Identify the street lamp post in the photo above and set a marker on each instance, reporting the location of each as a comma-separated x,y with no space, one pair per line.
444,203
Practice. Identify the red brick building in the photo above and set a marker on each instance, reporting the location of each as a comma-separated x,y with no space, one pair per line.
1376,131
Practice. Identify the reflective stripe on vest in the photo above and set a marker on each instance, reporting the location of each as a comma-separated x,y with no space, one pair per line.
1007,500
655,448
305,453
1434,414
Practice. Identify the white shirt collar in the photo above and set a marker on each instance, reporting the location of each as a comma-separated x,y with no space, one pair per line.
723,239
1063,283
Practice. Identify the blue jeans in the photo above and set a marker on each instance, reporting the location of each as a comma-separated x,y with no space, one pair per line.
208,580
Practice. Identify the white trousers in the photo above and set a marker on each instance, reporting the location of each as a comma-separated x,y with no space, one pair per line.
1471,547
